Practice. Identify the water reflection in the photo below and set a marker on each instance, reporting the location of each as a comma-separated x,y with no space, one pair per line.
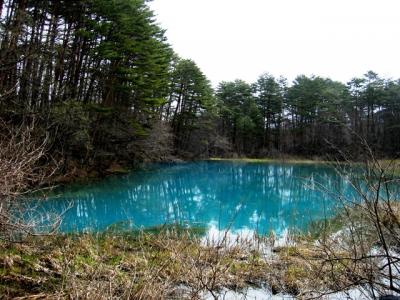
240,196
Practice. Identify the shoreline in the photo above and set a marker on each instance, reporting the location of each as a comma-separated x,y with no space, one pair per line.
82,176
272,160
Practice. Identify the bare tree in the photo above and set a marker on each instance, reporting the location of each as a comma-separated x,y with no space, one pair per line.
22,158
155,145
365,253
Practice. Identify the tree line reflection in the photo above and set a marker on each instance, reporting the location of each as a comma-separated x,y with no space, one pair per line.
260,197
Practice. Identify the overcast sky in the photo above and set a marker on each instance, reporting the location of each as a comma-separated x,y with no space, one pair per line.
230,39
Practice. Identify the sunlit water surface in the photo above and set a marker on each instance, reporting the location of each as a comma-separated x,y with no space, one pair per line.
244,197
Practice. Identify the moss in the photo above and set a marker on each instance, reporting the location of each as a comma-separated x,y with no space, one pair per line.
116,169
85,260
124,229
318,228
286,251
295,272
392,166
294,276
31,259
176,230
292,251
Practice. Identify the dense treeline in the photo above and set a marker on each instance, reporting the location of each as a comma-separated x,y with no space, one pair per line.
100,80
93,73
312,116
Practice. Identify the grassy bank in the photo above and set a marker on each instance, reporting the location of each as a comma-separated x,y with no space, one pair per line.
82,175
163,265
291,160
391,165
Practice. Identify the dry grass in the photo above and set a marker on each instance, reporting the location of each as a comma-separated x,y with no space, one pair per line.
167,265
289,160
392,164
144,266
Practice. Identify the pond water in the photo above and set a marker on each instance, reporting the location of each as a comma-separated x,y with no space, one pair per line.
243,197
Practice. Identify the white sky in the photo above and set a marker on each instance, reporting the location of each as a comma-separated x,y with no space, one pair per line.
241,39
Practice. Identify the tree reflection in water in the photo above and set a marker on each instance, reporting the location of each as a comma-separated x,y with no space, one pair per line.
249,196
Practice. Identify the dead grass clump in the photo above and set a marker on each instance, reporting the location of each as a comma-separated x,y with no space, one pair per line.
143,266
168,265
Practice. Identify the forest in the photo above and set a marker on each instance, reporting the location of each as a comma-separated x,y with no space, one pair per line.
100,82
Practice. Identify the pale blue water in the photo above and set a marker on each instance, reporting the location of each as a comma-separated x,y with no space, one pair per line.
241,196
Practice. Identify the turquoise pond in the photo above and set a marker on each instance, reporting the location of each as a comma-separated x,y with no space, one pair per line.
216,195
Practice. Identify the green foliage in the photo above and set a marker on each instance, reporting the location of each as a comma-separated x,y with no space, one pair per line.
240,114
317,107
270,97
136,53
99,83
190,97
71,121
